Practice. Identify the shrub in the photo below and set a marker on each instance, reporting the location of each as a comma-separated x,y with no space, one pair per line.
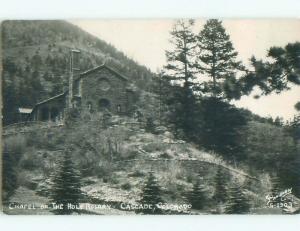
267,146
72,117
104,169
9,180
136,173
31,160
130,154
150,126
15,145
25,179
36,139
165,156
126,186
154,146
13,151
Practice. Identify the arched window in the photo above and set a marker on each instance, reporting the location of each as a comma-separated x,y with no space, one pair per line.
118,108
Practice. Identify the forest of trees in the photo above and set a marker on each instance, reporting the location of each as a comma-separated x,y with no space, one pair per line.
36,61
197,85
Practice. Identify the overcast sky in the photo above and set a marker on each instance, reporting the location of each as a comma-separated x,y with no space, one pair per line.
146,41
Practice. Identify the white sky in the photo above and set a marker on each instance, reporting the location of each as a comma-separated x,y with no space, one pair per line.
146,41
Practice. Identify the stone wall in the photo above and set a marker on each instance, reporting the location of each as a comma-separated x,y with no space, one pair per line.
104,88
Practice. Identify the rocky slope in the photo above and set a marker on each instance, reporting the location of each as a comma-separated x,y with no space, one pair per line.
115,162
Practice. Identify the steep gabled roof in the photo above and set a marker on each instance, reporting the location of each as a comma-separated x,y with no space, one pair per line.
83,74
49,99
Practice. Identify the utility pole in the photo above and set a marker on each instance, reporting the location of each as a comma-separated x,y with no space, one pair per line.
71,80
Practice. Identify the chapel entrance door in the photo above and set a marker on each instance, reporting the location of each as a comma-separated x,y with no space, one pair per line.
104,104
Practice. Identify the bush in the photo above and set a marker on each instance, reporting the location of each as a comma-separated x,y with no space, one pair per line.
126,186
104,169
9,180
154,146
25,181
31,160
72,116
266,146
130,154
15,145
13,151
165,156
150,126
36,139
137,173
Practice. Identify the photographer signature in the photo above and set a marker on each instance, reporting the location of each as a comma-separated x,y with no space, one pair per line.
281,200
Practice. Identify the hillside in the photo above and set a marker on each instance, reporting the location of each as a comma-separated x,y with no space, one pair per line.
167,146
36,61
114,164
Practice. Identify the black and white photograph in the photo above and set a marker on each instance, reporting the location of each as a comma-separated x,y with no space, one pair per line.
183,116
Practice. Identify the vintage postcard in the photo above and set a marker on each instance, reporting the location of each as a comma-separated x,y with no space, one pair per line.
166,116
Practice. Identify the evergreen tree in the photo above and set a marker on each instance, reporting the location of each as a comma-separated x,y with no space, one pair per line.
66,188
220,128
276,75
218,60
197,197
181,70
181,61
151,195
237,202
220,189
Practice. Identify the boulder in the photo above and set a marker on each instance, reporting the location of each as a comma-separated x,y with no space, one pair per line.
168,135
160,130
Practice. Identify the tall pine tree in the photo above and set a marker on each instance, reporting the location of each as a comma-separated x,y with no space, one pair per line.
66,188
181,70
218,60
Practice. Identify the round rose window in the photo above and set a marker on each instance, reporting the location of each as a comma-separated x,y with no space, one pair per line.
104,84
